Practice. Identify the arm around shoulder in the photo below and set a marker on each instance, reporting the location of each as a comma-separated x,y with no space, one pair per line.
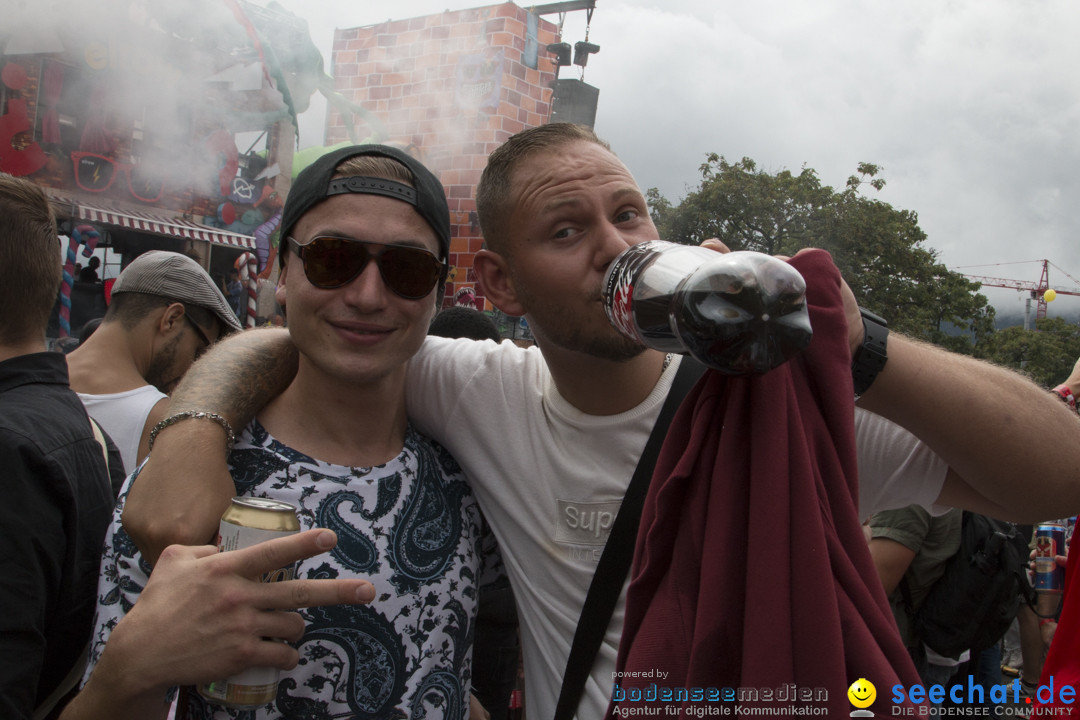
185,486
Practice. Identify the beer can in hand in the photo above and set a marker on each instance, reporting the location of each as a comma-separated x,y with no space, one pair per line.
1049,541
247,522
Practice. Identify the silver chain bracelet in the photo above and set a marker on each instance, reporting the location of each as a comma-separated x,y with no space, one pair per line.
197,415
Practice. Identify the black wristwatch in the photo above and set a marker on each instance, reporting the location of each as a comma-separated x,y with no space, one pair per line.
871,356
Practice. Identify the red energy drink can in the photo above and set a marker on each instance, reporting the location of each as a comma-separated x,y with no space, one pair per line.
517,707
247,522
1049,541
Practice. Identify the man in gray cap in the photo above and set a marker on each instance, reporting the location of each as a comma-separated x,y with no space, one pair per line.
165,312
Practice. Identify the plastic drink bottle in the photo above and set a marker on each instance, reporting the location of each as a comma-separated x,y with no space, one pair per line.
739,312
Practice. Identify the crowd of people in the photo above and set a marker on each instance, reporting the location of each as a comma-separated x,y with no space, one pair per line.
418,450
201,617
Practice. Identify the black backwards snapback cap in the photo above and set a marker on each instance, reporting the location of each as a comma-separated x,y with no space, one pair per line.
316,183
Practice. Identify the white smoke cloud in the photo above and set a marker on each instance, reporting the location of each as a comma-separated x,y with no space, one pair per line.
970,106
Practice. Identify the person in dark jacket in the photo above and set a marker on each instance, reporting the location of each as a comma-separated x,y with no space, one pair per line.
57,495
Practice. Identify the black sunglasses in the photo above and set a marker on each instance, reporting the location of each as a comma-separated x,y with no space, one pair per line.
409,272
199,332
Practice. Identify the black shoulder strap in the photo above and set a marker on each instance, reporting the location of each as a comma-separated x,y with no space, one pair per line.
611,571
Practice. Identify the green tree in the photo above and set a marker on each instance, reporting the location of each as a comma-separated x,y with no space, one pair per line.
745,208
880,250
1046,354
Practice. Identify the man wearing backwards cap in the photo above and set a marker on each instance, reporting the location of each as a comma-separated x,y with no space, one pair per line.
165,312
364,253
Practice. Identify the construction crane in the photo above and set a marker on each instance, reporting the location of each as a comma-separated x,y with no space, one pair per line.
1041,291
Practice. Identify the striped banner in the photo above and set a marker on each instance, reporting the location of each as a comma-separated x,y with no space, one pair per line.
176,227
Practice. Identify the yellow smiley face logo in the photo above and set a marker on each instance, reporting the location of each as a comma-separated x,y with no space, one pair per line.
862,693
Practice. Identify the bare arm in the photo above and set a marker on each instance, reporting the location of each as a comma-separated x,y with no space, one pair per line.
157,413
202,617
238,376
891,559
1013,448
1073,381
185,485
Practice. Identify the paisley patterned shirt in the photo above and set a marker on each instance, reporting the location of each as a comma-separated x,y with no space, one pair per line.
410,526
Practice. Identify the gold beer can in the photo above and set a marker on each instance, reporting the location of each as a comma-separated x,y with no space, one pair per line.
249,521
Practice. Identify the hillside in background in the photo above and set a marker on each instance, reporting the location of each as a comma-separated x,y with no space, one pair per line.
1010,316
1010,306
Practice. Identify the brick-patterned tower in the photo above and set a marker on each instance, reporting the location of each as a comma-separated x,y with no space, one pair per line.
454,86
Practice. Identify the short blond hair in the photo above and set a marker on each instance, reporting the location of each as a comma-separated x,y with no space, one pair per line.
494,196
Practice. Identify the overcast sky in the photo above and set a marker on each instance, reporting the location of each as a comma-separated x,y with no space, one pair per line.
971,107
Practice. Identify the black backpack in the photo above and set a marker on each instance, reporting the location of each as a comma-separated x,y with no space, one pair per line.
975,600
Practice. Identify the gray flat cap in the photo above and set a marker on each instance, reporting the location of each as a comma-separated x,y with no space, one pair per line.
179,278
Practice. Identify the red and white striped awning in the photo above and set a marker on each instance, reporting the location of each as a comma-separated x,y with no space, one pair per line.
175,226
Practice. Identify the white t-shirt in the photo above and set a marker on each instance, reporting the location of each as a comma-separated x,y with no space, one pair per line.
550,480
123,417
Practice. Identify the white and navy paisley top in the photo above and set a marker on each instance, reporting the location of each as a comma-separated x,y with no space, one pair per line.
411,527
